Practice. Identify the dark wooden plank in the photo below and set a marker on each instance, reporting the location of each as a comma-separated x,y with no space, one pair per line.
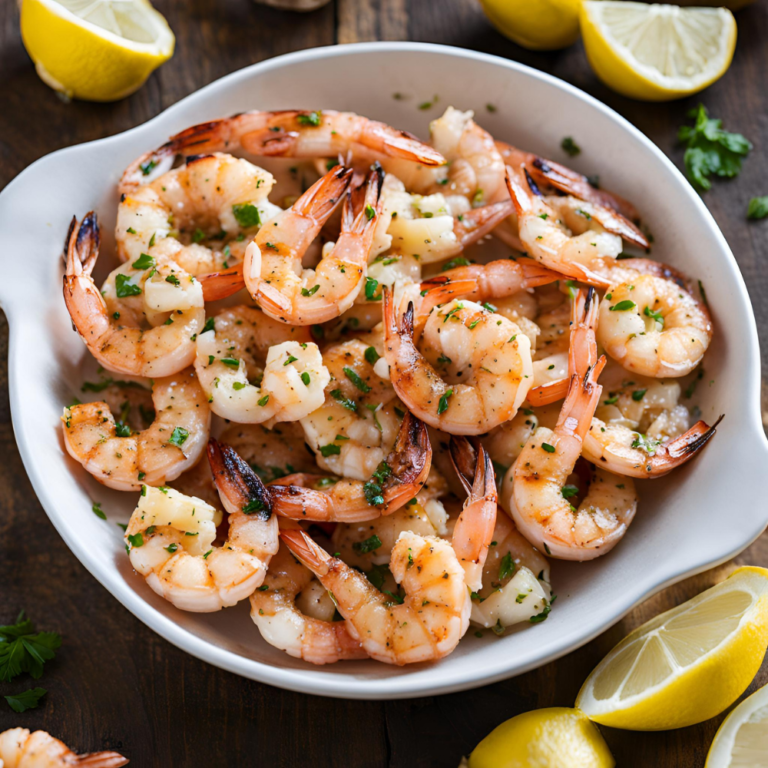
118,685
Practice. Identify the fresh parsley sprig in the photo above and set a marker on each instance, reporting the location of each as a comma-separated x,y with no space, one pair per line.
22,649
710,149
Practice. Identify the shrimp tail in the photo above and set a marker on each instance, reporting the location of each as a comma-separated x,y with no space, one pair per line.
83,245
573,183
101,760
474,529
409,461
464,452
240,488
582,349
683,448
148,167
442,291
220,285
307,552
321,199
583,396
362,205
477,223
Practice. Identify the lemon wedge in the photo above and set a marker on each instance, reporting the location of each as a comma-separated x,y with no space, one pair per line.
98,50
545,738
686,665
742,739
657,52
540,25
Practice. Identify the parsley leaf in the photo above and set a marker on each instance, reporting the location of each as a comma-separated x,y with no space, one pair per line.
23,650
246,215
21,702
758,208
368,545
570,147
710,149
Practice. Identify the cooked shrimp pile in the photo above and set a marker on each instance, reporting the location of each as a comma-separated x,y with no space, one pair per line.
373,384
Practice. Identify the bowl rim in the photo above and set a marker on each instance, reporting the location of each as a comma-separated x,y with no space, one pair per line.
347,686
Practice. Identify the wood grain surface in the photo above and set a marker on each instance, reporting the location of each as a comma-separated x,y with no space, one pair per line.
117,685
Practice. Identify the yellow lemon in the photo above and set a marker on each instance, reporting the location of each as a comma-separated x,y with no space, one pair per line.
657,52
99,51
686,665
541,25
742,739
545,738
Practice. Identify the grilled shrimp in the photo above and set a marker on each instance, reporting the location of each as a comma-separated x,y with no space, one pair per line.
352,432
475,167
21,748
463,340
515,580
171,537
272,267
424,624
288,133
122,459
545,237
473,532
172,298
654,327
534,493
281,611
625,451
396,481
201,215
231,353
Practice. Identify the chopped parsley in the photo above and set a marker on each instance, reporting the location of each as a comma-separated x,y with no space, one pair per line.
368,545
648,312
356,380
345,402
97,510
570,147
124,287
442,405
312,118
178,436
246,215
506,567
371,286
622,306
145,261
371,355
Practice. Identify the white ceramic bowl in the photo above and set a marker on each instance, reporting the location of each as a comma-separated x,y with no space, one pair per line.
700,515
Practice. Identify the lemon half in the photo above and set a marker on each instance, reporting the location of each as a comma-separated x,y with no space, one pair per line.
742,739
545,738
98,50
686,665
541,25
657,52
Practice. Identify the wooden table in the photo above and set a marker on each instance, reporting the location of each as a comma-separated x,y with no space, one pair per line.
115,684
